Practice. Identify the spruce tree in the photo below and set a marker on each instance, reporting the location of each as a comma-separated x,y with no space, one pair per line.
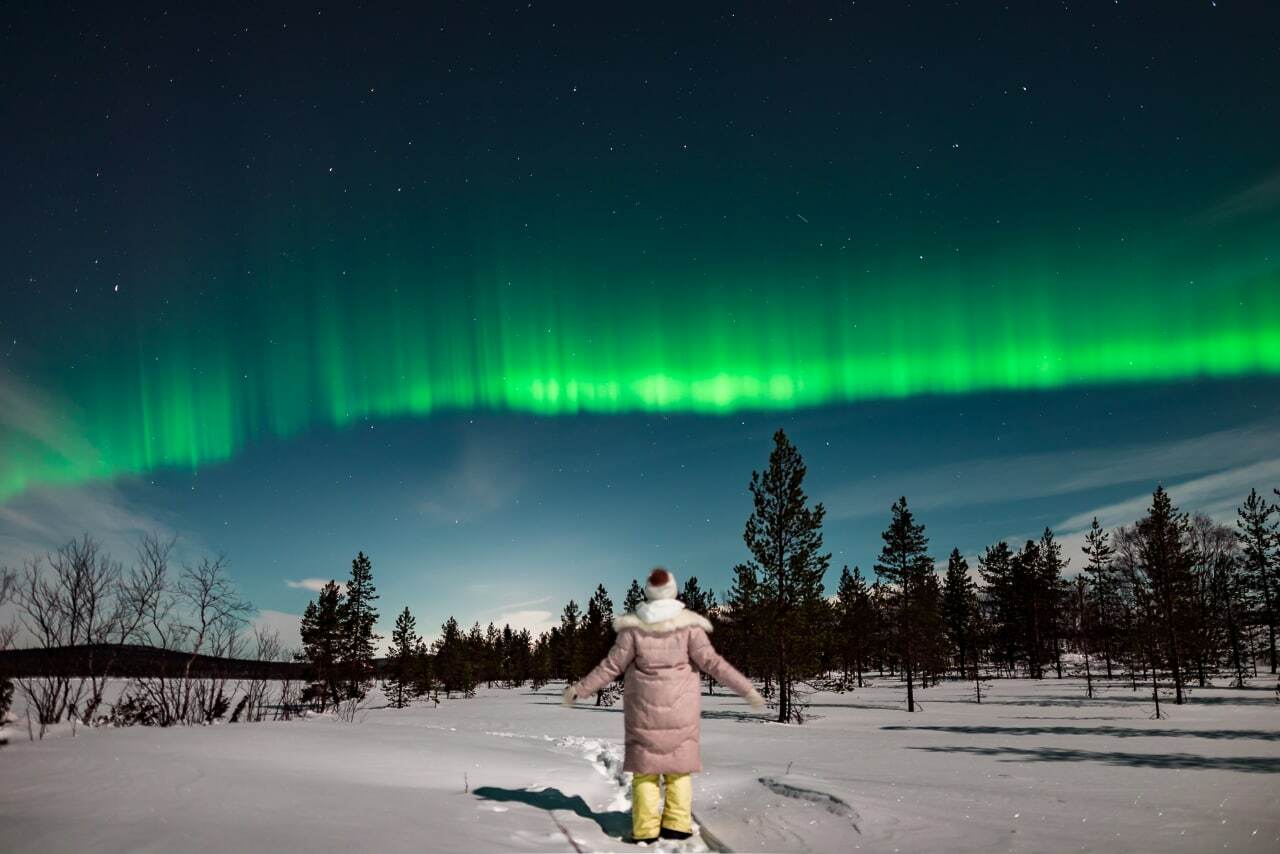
904,563
784,536
1260,544
359,618
957,605
400,682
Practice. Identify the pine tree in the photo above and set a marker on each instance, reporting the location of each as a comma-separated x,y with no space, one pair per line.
1051,594
1166,561
399,685
1260,543
855,624
904,563
697,599
744,623
597,638
567,656
957,604
785,539
635,597
451,669
996,566
1102,579
323,647
359,618
492,662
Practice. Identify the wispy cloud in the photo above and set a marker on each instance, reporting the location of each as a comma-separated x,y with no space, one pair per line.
1026,476
45,517
36,425
535,621
312,584
287,625
481,482
517,605
1258,198
1216,495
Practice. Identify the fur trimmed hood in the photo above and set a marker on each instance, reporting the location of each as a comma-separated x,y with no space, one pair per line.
661,616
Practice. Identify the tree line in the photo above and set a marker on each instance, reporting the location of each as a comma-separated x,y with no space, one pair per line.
1173,598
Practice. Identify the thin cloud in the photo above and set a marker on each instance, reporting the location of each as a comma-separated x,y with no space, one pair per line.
482,482
535,621
315,585
517,605
1027,476
1259,198
1216,495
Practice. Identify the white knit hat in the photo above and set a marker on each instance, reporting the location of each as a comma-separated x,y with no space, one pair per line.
661,585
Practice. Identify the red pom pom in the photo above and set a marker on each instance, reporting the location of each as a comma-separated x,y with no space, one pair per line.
659,577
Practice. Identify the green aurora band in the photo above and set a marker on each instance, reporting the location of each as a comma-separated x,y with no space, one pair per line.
321,346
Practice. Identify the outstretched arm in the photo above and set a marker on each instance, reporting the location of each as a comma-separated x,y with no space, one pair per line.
613,666
710,662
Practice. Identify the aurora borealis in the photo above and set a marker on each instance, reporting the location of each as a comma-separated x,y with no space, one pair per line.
359,348
442,272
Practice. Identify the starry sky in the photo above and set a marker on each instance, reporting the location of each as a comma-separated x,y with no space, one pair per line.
513,296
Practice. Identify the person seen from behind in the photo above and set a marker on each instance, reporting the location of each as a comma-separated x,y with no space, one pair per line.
662,648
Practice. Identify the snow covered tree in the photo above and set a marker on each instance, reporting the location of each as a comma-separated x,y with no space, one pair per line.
399,684
904,563
359,618
784,536
1260,544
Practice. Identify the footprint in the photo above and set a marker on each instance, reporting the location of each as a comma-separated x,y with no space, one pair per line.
831,803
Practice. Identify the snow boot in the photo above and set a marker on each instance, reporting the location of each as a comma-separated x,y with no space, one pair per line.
668,833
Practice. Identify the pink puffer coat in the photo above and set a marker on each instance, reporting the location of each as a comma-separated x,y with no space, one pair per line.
662,697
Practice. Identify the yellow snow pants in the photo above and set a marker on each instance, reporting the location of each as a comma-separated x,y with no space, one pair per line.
649,812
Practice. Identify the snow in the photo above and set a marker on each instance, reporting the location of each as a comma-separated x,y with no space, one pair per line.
1036,767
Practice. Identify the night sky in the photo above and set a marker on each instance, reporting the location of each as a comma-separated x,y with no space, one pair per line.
513,296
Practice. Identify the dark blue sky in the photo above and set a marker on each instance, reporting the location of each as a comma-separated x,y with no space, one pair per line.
183,189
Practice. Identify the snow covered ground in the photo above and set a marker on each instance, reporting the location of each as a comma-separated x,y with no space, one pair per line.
1036,767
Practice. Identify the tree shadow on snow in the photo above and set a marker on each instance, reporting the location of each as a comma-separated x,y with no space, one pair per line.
615,824
1180,761
1114,731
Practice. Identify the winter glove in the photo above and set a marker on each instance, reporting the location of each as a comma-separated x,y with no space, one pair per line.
569,696
755,701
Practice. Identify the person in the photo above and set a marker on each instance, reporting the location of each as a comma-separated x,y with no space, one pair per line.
661,648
